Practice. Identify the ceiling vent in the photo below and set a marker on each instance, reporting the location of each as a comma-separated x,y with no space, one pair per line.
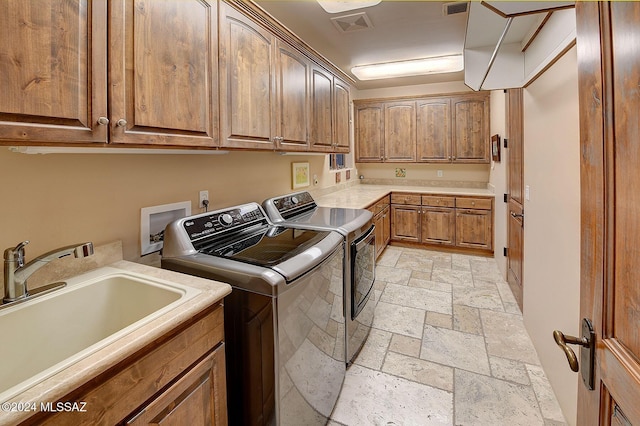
354,22
454,8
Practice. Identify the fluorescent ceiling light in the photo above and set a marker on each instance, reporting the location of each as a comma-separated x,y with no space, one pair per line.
434,65
338,6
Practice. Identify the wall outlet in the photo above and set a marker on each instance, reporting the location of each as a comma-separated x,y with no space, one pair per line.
439,173
204,195
315,179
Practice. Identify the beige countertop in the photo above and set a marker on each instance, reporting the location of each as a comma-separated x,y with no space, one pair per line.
70,378
363,195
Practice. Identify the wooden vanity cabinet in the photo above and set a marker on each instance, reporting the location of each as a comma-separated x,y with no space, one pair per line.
178,379
462,222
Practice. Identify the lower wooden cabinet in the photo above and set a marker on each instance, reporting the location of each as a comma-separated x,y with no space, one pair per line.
454,221
195,399
405,223
179,379
438,226
474,229
382,220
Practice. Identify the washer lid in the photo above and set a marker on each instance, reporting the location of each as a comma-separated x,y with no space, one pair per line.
268,247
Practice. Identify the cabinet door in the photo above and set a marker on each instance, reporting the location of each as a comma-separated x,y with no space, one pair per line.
433,130
405,223
321,110
379,223
247,82
400,132
293,99
386,226
369,133
53,71
342,115
438,226
470,129
474,229
197,398
163,72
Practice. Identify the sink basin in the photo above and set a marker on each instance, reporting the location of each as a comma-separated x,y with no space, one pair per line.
44,335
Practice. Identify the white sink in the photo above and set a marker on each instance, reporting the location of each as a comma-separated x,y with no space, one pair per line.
42,336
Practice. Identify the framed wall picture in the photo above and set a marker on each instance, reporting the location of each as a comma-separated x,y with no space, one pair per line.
495,148
300,175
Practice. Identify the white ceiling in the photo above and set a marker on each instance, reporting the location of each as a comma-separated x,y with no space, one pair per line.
401,30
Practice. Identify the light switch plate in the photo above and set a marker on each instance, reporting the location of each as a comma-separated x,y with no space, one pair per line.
527,193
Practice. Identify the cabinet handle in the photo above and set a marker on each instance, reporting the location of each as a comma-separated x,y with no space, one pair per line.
103,121
121,123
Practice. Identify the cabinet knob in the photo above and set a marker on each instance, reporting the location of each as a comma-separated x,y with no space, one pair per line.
103,121
121,123
473,203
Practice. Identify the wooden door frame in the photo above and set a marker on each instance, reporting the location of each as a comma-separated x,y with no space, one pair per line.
515,98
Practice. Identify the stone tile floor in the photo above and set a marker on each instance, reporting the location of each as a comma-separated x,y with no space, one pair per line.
447,347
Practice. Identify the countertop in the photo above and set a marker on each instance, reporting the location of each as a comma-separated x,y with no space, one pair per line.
61,383
363,195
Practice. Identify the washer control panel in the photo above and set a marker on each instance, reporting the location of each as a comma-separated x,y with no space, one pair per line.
208,224
293,202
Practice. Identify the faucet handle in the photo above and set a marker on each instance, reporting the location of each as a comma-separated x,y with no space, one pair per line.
16,253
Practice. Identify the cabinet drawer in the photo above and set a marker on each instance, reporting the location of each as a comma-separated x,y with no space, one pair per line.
436,201
377,207
407,199
474,203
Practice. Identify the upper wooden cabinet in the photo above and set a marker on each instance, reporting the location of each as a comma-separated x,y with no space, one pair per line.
400,131
163,72
342,115
53,71
247,82
369,132
55,87
433,138
190,73
321,110
293,109
441,129
470,118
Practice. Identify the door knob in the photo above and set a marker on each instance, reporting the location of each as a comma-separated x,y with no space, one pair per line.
562,341
517,215
587,343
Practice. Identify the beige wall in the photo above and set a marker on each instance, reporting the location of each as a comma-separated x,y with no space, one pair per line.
498,180
58,199
552,220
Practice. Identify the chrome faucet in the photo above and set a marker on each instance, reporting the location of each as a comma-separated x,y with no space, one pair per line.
16,272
